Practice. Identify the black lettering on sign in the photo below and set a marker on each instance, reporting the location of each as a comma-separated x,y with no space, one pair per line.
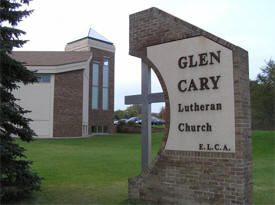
215,80
225,148
192,86
217,57
204,84
182,62
217,147
185,127
203,59
181,86
209,147
214,147
191,63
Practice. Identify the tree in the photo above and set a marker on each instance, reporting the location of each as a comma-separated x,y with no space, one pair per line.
262,92
119,114
133,110
162,113
17,181
267,77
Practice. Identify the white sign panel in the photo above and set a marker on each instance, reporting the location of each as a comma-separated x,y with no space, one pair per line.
198,74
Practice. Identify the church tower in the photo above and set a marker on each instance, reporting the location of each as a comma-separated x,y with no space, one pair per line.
93,40
101,80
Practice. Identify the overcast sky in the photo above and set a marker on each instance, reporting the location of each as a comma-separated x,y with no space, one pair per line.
245,23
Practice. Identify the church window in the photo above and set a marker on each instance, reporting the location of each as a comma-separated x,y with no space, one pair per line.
95,73
105,84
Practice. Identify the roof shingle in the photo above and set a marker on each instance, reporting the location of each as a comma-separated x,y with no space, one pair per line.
50,58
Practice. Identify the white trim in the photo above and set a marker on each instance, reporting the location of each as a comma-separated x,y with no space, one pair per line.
78,45
100,45
58,68
85,101
87,43
52,104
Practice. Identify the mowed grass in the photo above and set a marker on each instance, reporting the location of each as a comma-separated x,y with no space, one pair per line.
87,171
96,170
263,150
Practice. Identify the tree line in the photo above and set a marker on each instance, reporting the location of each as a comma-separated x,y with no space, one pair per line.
262,98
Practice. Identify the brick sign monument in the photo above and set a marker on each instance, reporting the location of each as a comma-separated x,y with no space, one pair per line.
205,157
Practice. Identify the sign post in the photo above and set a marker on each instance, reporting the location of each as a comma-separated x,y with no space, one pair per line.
145,99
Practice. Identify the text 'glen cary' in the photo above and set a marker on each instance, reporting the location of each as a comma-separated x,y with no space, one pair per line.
204,83
203,59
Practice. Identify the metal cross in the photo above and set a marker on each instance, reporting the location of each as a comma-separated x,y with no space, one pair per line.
145,99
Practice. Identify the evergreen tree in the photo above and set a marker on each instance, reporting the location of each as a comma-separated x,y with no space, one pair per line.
17,181
262,92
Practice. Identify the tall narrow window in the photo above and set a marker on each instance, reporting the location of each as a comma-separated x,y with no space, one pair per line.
105,84
95,86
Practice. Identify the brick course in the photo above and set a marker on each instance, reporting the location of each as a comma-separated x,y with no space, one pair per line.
186,177
68,98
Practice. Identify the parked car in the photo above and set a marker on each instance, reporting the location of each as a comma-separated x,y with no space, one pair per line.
139,121
133,120
157,121
122,121
154,121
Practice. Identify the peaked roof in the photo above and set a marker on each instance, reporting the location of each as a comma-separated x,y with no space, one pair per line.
92,34
50,58
95,35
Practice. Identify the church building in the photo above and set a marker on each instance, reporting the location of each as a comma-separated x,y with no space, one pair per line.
74,95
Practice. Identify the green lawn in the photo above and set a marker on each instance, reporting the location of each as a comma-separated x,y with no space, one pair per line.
264,167
87,171
95,170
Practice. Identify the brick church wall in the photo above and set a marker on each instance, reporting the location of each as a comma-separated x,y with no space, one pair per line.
68,97
99,117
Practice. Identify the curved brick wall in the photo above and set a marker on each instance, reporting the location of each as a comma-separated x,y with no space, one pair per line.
190,177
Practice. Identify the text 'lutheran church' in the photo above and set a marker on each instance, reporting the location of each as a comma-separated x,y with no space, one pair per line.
74,95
